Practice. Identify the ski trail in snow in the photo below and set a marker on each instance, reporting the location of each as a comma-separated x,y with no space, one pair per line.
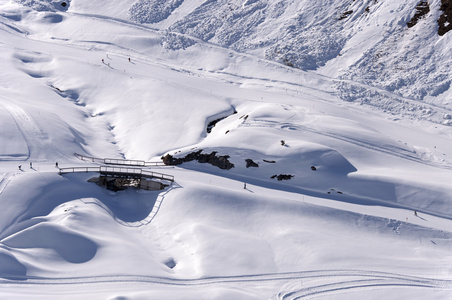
389,150
4,181
152,214
37,142
345,286
27,126
343,281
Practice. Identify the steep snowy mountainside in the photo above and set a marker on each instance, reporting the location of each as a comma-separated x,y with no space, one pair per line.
368,42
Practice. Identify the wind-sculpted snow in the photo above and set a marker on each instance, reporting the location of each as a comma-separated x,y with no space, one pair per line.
152,11
45,5
302,50
10,267
223,22
70,246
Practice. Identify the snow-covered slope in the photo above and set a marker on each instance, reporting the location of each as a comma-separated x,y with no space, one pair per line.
367,42
326,199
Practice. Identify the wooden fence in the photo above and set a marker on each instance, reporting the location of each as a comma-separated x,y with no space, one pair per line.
122,162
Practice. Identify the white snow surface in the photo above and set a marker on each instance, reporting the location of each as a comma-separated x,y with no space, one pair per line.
364,100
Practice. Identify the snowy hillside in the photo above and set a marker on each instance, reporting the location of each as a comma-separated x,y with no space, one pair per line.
310,143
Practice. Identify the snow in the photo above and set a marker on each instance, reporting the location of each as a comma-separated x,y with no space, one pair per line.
366,103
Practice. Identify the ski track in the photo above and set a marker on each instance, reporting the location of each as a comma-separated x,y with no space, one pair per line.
341,287
4,181
27,127
371,280
389,150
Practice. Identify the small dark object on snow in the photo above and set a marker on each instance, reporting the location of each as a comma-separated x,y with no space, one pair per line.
282,177
313,168
269,161
283,142
345,14
63,4
251,163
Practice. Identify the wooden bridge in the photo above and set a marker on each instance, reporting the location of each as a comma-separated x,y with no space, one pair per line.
118,172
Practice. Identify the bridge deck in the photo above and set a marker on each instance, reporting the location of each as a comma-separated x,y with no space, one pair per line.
119,172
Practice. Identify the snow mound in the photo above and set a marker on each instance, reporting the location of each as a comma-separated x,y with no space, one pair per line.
10,267
70,246
152,11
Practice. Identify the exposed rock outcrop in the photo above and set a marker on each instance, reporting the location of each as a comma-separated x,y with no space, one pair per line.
251,163
445,20
220,161
421,10
283,177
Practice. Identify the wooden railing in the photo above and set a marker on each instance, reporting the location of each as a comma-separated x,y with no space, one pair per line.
122,162
79,170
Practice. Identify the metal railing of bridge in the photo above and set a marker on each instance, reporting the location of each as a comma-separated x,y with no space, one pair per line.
117,171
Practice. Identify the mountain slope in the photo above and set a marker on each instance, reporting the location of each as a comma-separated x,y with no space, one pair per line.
282,189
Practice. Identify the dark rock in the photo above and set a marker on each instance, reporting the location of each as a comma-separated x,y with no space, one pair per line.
345,14
421,10
212,124
445,20
269,161
221,162
282,177
251,163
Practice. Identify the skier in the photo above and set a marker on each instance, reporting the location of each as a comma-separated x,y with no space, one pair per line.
31,165
20,167
56,165
244,185
415,213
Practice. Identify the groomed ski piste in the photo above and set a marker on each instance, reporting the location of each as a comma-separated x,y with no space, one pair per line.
340,186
